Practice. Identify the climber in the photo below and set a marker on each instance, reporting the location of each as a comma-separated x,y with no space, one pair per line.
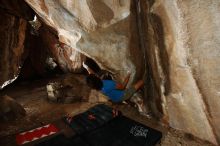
115,91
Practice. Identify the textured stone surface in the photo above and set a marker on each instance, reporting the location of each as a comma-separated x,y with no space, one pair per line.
10,109
101,30
71,88
181,41
16,8
13,33
68,59
12,36
191,39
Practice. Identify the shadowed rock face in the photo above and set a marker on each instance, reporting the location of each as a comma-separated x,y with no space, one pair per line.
174,90
107,13
10,109
19,48
96,28
68,59
180,39
12,36
16,8
13,33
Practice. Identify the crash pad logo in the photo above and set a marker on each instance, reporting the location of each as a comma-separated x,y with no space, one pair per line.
139,131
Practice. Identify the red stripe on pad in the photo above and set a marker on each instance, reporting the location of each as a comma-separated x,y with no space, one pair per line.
35,134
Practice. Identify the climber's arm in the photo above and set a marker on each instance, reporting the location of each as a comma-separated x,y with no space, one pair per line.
122,86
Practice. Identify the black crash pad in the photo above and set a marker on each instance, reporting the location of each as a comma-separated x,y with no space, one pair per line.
105,130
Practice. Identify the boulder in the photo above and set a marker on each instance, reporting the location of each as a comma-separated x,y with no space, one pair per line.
175,42
12,37
100,29
184,35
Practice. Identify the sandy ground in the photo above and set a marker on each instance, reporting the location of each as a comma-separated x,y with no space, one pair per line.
33,97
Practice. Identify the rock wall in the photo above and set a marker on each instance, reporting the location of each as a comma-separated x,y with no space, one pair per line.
16,8
24,50
68,59
100,29
187,71
12,36
13,33
181,41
